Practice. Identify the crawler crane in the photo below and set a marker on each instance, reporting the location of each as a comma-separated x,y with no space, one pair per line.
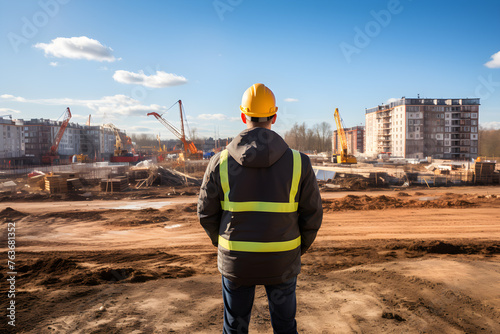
190,150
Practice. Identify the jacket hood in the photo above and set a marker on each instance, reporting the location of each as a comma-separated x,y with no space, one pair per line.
257,147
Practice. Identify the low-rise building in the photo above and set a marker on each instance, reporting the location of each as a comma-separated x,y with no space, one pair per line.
355,137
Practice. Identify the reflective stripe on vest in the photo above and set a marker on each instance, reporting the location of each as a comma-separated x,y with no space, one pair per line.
278,207
263,247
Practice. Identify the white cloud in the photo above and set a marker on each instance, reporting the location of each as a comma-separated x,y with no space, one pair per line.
77,48
110,105
12,98
53,63
494,62
140,129
8,110
291,99
217,117
493,125
158,80
78,116
392,99
151,121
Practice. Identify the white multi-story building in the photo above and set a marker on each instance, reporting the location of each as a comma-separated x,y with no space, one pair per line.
26,141
11,139
419,128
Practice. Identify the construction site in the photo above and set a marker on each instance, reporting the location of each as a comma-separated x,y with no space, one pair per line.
116,247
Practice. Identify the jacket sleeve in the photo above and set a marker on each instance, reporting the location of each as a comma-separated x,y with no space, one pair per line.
310,207
209,207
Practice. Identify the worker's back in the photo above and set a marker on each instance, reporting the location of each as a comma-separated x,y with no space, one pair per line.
260,205
260,170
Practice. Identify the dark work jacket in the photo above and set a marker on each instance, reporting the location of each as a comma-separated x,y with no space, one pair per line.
260,167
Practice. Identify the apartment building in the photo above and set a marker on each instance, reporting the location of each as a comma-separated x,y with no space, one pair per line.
419,128
11,142
355,137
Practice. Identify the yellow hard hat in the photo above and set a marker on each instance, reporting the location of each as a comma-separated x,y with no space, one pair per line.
258,101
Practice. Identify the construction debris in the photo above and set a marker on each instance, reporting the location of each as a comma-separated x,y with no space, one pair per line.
74,184
147,173
171,177
8,186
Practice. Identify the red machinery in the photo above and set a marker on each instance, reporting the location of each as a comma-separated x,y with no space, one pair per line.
52,157
190,150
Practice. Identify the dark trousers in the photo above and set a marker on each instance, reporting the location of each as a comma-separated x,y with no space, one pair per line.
238,302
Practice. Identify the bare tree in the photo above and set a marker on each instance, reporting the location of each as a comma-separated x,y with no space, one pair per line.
315,139
489,140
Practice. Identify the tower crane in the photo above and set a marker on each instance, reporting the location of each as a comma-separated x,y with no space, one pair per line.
52,157
344,157
190,149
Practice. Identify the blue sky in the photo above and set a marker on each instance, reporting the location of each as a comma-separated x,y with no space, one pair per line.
119,60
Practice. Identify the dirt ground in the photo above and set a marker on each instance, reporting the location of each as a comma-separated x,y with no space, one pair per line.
409,261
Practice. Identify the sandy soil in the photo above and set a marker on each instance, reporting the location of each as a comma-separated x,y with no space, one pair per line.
412,261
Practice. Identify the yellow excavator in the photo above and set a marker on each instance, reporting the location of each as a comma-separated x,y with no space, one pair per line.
343,157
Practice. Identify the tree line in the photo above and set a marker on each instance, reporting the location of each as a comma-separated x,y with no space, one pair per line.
489,142
318,138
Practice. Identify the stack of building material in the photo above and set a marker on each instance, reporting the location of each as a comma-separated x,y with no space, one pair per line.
56,184
485,172
117,183
37,181
74,184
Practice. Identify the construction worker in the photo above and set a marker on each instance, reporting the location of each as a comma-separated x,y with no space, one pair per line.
260,205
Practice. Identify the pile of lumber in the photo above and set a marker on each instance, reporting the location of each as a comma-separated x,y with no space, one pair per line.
37,181
485,172
56,184
114,184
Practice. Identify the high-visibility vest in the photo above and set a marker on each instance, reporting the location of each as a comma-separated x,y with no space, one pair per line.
254,206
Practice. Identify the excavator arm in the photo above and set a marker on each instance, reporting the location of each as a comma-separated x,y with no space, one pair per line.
344,157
